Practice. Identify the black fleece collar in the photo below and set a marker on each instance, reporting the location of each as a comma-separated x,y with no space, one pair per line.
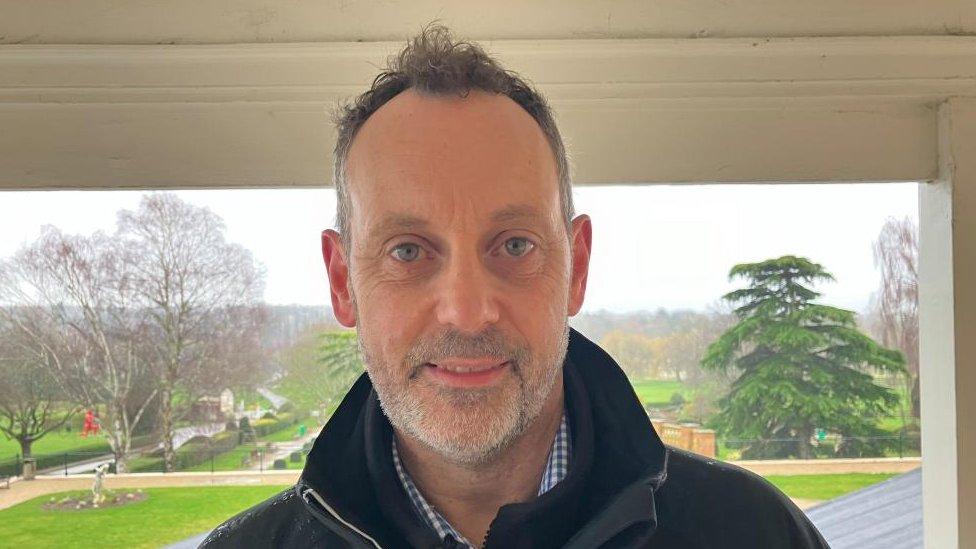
618,461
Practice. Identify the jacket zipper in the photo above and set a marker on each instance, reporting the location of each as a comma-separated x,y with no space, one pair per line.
332,512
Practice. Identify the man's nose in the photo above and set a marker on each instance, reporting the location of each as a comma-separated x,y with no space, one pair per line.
466,295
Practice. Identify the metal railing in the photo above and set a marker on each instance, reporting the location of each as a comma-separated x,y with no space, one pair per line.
828,447
264,457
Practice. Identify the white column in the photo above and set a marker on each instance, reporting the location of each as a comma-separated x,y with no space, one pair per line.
947,308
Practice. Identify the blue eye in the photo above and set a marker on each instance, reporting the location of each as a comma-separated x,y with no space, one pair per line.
518,246
406,252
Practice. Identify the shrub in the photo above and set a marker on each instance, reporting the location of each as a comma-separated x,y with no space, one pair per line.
295,457
198,450
677,399
264,427
279,464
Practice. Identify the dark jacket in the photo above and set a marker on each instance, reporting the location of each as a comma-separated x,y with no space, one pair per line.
625,488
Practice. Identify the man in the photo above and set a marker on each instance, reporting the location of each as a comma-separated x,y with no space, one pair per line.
484,420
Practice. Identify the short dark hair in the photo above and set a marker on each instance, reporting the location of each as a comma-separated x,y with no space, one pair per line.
435,63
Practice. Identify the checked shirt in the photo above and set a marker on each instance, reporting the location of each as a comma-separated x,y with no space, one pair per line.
557,467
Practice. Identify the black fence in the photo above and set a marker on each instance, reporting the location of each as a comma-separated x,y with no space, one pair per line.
280,456
47,463
265,457
827,447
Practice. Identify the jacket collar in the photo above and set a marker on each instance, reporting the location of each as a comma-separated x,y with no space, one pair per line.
618,462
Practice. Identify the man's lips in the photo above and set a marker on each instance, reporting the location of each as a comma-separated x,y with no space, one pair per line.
467,373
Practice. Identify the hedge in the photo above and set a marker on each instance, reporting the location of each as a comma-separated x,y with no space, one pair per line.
193,453
264,427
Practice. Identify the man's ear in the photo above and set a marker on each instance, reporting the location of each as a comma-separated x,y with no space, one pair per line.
337,267
581,241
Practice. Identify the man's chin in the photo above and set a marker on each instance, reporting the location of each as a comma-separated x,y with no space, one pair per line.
468,429
462,449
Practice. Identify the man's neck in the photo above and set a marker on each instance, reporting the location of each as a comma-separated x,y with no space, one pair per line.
469,497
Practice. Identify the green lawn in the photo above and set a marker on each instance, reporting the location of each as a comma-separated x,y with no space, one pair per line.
655,392
56,443
285,435
824,487
167,516
231,460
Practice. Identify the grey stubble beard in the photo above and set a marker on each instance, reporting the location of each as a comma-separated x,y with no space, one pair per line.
494,425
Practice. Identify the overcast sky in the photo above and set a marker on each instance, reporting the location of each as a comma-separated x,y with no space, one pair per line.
654,246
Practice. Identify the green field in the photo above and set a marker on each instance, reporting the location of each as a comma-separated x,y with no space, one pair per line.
56,443
824,487
657,393
167,516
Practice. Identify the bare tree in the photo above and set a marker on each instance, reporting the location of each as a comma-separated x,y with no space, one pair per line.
32,404
196,290
896,301
636,353
72,298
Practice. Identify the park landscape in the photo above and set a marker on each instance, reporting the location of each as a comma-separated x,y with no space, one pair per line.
151,352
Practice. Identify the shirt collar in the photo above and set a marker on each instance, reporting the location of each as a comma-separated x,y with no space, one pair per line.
557,467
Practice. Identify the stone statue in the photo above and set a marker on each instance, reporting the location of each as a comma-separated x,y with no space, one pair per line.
97,496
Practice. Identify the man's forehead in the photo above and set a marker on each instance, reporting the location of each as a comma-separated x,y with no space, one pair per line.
486,132
428,157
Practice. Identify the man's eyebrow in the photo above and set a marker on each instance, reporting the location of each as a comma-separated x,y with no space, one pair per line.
405,222
398,222
515,212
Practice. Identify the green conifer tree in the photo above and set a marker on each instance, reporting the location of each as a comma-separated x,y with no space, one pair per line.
801,365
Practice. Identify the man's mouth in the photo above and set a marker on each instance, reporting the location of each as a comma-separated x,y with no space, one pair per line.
468,373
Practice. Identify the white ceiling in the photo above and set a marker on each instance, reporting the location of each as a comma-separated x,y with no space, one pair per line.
261,21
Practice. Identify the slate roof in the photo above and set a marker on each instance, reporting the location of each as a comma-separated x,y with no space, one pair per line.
887,515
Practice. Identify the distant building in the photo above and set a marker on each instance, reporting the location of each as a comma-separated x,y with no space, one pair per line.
227,402
214,408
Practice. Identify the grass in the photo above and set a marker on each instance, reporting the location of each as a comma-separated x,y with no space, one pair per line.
657,393
231,460
56,443
167,516
824,487
284,435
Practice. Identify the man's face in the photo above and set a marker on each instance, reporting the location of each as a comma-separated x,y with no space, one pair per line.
461,273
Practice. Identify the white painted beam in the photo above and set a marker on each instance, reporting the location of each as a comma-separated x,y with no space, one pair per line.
245,21
631,110
564,69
